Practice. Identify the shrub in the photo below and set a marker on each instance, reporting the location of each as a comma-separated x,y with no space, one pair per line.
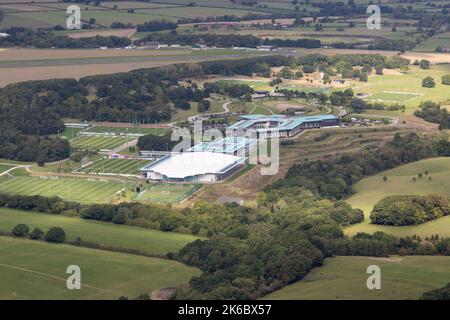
21,230
36,234
56,235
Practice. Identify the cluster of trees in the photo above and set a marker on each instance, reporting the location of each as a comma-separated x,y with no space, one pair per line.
155,142
409,210
401,45
334,178
156,25
19,36
228,41
54,234
432,112
381,244
437,294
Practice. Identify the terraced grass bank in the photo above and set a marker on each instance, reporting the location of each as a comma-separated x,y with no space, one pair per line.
344,278
39,272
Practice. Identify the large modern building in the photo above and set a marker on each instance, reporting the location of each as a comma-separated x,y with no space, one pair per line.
193,167
282,126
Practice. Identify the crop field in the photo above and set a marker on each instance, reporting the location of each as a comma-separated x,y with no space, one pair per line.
344,278
98,142
124,130
79,190
116,166
387,96
407,84
166,193
110,234
430,45
400,182
39,272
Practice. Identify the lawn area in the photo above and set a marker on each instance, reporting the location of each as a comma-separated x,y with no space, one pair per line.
70,133
400,182
167,193
4,167
37,270
380,85
147,240
116,166
98,142
344,278
79,190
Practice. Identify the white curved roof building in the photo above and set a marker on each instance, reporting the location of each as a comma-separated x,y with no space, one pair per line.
193,167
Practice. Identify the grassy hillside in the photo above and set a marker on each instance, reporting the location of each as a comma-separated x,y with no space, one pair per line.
345,278
151,241
400,182
37,270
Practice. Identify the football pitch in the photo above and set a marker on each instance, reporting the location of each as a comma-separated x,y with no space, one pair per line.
392,96
124,130
79,190
116,166
167,193
98,142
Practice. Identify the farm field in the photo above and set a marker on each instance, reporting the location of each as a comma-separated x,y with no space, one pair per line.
39,272
430,45
98,142
109,234
344,278
409,84
372,189
116,166
166,193
76,189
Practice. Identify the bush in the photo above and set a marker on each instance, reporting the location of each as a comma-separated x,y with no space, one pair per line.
56,235
21,230
36,234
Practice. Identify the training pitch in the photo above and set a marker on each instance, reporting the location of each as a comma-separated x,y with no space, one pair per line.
167,193
115,166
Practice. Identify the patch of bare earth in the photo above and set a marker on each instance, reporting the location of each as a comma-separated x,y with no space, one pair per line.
163,294
434,58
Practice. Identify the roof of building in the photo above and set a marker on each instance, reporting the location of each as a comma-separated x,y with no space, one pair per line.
228,145
285,122
189,164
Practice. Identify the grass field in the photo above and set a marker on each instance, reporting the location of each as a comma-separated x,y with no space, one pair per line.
79,190
146,240
39,272
70,133
4,167
343,278
387,96
116,166
123,130
410,83
166,193
98,142
400,182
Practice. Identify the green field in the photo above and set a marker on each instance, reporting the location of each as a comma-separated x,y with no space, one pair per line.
166,193
70,133
4,167
37,270
430,45
109,234
79,190
400,182
407,83
123,130
115,166
342,278
387,96
98,142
